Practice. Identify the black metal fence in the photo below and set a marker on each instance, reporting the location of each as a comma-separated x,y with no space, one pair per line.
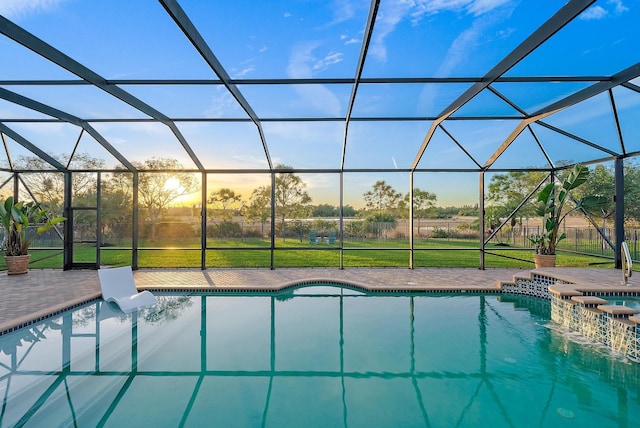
50,239
584,240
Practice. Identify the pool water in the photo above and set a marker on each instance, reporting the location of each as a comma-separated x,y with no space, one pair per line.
630,301
313,357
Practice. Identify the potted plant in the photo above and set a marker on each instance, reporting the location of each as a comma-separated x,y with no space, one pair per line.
551,203
19,220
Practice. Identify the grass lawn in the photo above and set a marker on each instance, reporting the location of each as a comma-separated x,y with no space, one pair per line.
255,253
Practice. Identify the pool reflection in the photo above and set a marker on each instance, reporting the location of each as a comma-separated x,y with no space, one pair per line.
322,357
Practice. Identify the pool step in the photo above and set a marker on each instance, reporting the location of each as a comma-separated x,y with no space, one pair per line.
618,311
588,301
565,292
634,319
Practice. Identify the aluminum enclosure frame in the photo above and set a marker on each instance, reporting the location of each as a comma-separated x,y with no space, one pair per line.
601,84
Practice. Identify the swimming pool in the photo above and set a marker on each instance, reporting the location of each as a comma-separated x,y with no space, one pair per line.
319,356
630,301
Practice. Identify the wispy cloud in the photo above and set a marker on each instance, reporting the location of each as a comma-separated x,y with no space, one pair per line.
397,10
471,7
619,7
595,12
613,7
348,40
222,104
324,63
385,24
15,9
342,11
320,98
248,65
292,143
469,40
304,64
457,55
480,7
244,71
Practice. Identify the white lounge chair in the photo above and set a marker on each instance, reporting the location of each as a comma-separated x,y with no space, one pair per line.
109,310
118,287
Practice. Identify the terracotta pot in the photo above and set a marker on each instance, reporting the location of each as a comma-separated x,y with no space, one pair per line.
544,260
17,265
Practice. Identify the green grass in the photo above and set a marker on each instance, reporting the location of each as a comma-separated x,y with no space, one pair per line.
238,258
255,253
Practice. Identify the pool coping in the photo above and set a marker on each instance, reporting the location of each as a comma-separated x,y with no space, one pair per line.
371,280
44,314
359,286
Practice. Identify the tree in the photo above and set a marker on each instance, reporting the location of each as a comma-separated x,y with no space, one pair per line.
349,211
380,224
383,198
325,210
468,210
116,209
355,229
507,191
292,200
259,207
551,201
423,202
227,199
159,189
47,185
382,202
632,191
325,226
601,183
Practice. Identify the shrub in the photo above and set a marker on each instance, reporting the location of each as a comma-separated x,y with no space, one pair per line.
225,229
439,233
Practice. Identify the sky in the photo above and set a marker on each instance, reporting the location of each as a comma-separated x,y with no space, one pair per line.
121,40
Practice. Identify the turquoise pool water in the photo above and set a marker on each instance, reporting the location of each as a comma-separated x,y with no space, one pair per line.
630,301
313,357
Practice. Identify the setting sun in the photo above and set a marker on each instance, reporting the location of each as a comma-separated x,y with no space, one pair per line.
173,184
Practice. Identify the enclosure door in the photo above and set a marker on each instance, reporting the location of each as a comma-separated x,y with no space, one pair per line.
84,213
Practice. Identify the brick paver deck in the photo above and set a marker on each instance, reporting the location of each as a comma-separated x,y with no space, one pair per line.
41,292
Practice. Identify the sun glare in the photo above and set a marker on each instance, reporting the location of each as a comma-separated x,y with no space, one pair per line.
173,184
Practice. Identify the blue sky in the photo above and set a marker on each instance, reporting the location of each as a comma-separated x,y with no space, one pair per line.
122,39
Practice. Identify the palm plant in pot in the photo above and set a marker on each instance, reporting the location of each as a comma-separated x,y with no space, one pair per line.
23,222
551,207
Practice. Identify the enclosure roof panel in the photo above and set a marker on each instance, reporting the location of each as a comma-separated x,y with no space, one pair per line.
315,85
